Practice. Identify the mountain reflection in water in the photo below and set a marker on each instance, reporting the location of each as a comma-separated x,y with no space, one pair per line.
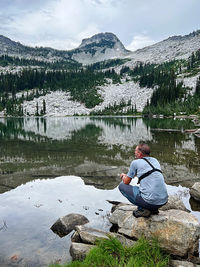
34,151
93,148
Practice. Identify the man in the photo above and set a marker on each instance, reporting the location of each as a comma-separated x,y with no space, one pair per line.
152,192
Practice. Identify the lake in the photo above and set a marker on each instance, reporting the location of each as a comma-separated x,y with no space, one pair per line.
50,167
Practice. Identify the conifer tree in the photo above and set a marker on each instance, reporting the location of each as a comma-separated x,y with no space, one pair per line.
197,89
44,106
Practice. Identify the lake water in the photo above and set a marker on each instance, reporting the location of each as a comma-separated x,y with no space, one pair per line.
50,167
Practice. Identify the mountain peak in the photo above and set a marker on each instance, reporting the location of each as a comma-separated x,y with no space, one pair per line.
99,37
101,46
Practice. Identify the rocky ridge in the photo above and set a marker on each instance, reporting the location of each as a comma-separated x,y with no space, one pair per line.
104,46
100,47
177,47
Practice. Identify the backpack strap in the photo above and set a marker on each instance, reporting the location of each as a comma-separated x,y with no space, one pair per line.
149,172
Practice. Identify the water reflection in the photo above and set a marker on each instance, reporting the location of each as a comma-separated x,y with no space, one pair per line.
93,148
29,211
36,150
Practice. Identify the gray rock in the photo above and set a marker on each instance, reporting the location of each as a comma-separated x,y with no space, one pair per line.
174,202
78,251
177,231
195,191
64,225
176,263
124,240
90,235
76,237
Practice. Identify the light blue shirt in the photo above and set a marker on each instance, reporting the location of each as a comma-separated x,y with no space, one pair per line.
152,188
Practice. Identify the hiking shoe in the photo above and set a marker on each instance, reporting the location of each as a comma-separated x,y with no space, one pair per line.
154,212
142,213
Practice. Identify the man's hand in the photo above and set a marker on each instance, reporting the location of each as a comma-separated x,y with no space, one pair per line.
125,178
122,175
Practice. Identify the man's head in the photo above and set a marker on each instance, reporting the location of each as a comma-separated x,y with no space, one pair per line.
142,150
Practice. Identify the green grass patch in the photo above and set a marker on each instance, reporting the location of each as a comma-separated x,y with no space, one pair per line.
111,253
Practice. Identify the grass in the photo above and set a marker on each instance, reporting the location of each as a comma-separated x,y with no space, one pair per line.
111,253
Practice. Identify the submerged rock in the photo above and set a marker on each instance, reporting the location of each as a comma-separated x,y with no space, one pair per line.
64,225
195,191
177,231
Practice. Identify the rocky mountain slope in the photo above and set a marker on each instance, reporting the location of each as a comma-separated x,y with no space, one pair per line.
104,46
101,47
176,47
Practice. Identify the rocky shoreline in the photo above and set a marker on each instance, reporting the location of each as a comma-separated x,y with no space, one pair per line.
177,230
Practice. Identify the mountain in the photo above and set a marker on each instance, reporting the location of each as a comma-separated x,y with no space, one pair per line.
16,49
120,81
102,46
176,47
99,47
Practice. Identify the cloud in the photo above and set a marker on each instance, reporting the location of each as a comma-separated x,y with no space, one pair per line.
63,24
58,24
140,41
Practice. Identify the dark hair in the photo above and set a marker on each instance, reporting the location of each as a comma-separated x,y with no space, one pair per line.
144,149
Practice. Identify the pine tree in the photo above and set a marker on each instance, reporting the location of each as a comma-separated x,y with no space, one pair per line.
197,89
37,110
44,106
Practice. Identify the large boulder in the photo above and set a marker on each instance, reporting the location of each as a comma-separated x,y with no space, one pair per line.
64,225
177,231
174,202
195,191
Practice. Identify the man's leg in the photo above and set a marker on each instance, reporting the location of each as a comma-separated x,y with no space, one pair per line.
132,193
129,191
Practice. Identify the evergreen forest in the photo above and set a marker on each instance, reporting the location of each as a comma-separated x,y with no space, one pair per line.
29,79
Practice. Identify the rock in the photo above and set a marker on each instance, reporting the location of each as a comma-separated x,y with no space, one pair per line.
174,202
195,191
197,132
177,231
78,251
90,235
64,225
76,237
116,204
176,263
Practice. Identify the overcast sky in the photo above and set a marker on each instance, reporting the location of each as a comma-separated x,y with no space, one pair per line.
62,24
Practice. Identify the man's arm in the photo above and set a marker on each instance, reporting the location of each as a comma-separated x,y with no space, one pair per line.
125,178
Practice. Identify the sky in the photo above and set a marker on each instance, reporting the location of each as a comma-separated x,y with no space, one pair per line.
62,24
